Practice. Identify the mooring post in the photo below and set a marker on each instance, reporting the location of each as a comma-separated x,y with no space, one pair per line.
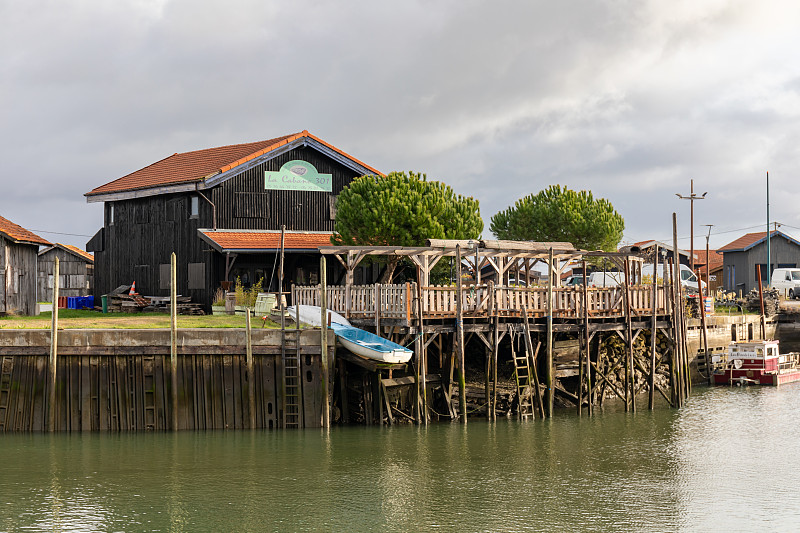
51,414
422,351
462,384
630,385
173,333
323,341
653,333
251,381
587,342
678,315
549,370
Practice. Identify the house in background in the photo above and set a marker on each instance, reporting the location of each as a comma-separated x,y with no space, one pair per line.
646,248
18,257
75,271
742,256
715,267
221,211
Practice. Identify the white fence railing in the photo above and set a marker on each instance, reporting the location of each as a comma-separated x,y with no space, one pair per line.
397,301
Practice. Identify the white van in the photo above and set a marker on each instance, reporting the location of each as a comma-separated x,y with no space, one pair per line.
688,278
606,279
786,280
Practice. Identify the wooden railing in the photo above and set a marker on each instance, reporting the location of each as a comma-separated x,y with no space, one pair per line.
397,301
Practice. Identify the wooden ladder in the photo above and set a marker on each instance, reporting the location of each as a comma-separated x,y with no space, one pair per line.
6,367
292,386
149,381
522,375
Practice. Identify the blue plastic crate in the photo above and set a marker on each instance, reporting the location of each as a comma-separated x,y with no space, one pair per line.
72,302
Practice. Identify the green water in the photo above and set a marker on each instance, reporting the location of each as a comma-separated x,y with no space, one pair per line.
726,462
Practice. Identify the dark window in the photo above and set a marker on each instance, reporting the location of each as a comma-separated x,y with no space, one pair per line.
197,275
142,214
764,276
194,211
141,275
250,205
163,276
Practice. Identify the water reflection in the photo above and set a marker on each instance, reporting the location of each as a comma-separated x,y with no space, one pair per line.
705,467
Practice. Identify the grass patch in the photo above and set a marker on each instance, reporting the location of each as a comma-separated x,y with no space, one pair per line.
74,319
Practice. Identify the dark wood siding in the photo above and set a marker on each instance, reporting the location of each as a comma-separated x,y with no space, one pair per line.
144,234
145,231
242,202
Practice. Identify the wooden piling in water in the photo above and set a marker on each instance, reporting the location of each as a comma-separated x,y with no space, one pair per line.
653,334
549,362
323,341
53,366
173,328
462,385
630,375
251,399
587,342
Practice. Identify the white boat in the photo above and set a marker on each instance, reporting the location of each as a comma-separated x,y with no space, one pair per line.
312,315
356,340
369,345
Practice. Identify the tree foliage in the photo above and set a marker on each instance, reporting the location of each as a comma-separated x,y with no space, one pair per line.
559,214
403,209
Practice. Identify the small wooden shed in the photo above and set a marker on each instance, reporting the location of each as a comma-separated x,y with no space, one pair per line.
75,271
18,257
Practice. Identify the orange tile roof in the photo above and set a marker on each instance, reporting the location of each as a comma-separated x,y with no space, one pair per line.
224,240
77,251
715,259
19,234
189,167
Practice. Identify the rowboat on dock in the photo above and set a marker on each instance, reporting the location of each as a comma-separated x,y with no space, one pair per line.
757,363
358,341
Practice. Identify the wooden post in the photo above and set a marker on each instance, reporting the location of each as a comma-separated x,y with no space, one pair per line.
495,346
630,385
653,334
323,341
251,382
173,329
462,384
422,354
678,303
761,301
377,309
587,342
549,368
51,413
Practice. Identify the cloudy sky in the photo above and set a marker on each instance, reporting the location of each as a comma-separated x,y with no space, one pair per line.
629,99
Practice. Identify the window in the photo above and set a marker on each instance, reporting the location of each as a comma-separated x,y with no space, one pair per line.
110,214
142,214
163,276
764,275
197,276
195,207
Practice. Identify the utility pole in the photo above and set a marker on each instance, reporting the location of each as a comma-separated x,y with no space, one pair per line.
692,197
708,260
769,248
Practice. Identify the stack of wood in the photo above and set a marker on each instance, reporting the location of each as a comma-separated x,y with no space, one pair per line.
120,301
771,301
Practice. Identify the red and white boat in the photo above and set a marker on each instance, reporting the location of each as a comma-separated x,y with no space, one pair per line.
757,363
